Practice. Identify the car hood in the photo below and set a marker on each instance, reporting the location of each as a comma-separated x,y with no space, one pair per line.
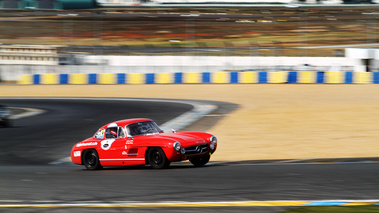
184,139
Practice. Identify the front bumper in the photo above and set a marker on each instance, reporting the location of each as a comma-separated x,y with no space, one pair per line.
196,150
191,152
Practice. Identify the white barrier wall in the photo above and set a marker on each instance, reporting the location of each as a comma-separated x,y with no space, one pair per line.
164,64
224,62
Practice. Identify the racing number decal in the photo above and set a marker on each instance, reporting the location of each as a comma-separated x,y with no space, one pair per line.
106,144
128,142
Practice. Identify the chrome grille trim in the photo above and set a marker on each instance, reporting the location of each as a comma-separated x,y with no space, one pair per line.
198,149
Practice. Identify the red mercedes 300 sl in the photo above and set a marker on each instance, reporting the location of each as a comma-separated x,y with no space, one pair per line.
142,142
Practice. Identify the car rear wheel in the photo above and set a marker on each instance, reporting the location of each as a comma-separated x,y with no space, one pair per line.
158,159
200,161
91,160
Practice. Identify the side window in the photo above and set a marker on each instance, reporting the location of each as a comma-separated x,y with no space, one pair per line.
121,133
111,132
100,134
133,130
114,132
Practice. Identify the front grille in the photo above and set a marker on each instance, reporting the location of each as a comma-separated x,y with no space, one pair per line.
193,150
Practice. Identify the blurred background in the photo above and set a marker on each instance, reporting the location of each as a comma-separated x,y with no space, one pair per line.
308,141
150,36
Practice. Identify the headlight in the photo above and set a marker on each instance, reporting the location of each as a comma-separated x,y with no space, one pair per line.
177,146
213,142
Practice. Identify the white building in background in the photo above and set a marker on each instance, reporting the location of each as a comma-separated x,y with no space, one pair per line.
29,55
368,58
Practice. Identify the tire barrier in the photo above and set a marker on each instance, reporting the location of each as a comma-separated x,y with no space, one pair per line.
302,77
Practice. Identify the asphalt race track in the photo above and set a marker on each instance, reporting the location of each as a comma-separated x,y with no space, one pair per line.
50,136
28,183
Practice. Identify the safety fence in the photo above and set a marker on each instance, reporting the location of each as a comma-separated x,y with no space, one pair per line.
205,78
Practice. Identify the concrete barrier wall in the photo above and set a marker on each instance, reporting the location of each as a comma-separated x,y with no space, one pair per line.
184,64
227,62
304,77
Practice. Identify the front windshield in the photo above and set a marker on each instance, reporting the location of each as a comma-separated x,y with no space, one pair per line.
143,128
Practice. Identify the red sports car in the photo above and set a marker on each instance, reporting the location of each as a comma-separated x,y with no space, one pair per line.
141,142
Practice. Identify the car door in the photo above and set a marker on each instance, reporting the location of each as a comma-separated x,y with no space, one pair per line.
134,144
113,145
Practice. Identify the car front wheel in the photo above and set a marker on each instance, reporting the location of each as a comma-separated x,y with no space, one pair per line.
91,160
158,159
200,161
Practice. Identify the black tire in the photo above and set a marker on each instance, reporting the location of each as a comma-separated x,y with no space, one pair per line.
158,159
200,161
91,160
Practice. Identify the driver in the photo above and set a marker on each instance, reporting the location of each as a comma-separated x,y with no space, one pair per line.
113,134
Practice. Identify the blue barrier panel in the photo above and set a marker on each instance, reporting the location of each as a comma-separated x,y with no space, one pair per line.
121,78
348,77
63,79
36,79
262,77
92,78
178,78
206,77
234,78
150,78
375,77
292,77
320,77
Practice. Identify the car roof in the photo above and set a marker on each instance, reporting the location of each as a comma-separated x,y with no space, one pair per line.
126,122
